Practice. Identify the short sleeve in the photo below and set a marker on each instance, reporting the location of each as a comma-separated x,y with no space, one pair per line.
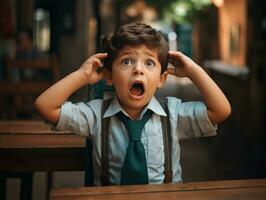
81,118
190,119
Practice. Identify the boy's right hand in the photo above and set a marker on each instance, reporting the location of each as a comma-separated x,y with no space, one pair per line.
90,68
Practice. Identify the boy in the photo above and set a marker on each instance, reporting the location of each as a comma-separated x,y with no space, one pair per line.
136,65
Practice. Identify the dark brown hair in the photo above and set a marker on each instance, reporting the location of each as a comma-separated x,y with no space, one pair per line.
135,34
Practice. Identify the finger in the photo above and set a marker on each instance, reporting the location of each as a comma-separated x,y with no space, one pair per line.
171,71
177,53
96,62
174,55
175,62
100,55
175,58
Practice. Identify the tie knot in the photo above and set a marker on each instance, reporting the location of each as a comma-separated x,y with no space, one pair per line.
134,127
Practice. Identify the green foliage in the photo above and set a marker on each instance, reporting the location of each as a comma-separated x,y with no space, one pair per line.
183,11
180,11
160,4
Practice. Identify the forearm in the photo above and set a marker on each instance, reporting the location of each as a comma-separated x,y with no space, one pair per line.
50,101
218,107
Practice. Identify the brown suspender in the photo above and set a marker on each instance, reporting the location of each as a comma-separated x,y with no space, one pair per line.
167,141
105,144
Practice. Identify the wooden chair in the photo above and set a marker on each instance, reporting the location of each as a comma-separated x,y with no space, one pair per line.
20,94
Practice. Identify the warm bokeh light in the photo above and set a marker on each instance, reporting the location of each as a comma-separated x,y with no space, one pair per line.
218,3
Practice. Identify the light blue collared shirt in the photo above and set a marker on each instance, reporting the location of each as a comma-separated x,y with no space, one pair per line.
187,120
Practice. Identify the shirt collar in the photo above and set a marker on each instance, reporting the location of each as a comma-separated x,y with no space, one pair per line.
115,107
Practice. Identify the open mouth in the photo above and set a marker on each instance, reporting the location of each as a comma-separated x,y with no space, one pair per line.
137,89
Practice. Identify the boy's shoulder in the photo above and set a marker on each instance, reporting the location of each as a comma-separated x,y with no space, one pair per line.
94,104
100,105
170,100
176,105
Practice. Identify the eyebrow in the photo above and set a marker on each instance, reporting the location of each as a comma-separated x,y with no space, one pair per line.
124,53
151,55
128,52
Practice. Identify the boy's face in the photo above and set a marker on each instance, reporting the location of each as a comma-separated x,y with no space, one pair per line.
136,74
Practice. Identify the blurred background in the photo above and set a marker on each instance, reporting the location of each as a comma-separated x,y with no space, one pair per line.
226,37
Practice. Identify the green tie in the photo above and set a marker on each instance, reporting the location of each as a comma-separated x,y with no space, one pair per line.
134,170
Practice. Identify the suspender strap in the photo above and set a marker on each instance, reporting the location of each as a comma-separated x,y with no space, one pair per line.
168,172
105,144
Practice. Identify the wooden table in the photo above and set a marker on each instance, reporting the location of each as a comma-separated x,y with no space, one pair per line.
34,146
29,146
212,190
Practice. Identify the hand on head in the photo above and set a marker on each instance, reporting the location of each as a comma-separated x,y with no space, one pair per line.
181,64
92,68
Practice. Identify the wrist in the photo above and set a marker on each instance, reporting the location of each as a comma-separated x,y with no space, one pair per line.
81,77
193,70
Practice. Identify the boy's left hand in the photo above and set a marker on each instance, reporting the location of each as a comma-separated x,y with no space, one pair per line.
182,65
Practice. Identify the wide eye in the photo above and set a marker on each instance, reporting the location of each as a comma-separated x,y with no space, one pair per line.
127,62
150,63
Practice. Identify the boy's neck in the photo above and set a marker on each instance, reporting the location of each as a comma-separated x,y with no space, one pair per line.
134,113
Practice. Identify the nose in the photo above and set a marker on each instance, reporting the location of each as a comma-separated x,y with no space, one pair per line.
138,69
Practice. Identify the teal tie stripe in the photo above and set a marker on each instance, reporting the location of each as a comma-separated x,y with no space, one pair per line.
134,170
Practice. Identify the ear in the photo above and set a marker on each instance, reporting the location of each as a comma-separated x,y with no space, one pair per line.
163,78
108,78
